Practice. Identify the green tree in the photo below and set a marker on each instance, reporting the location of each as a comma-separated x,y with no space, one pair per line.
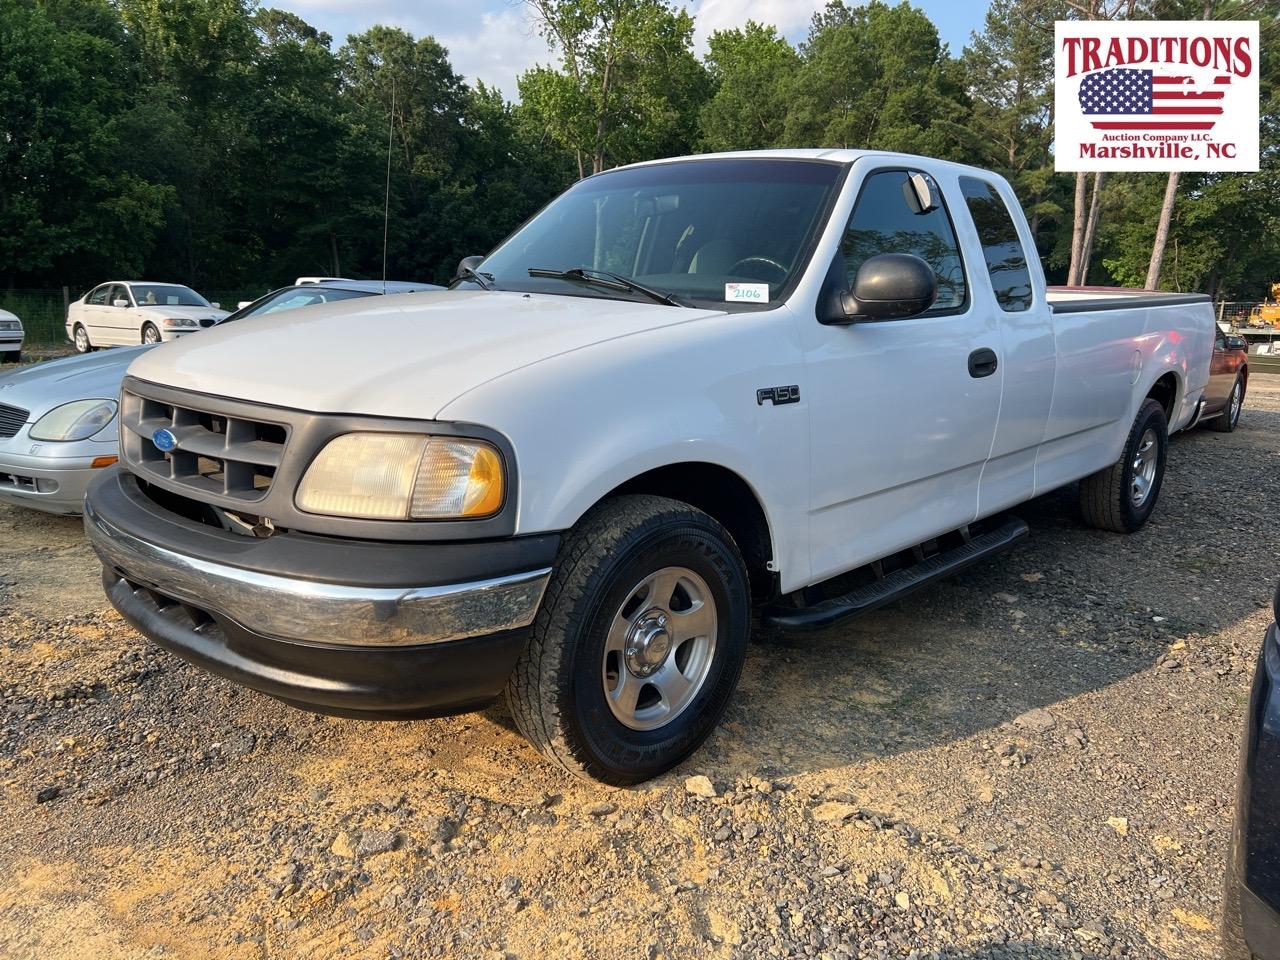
1008,71
628,88
749,69
878,77
67,208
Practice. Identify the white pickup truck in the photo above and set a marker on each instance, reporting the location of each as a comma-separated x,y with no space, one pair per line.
808,380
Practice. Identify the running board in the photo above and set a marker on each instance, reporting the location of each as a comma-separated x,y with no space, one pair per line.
897,584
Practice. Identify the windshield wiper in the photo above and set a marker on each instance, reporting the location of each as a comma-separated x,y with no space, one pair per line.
470,273
603,278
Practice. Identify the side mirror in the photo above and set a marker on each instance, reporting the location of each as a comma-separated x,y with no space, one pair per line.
890,286
216,305
467,264
1237,343
120,303
241,305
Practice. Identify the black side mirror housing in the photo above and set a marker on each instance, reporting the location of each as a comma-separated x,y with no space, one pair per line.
1237,343
889,286
467,264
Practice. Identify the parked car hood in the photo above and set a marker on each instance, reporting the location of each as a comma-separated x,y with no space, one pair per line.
407,355
43,386
190,313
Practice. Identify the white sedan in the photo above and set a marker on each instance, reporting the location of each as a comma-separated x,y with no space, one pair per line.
129,312
10,337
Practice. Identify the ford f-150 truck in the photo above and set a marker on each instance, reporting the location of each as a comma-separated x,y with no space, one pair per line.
807,380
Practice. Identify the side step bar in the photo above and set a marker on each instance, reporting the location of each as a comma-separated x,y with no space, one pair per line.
897,584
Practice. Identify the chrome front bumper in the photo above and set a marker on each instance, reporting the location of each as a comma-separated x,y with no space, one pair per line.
291,609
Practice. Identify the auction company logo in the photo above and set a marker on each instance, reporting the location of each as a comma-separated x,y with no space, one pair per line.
1156,95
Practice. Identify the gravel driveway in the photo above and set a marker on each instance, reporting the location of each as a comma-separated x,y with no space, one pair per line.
1033,759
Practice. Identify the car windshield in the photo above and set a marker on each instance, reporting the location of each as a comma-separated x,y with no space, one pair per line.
291,298
723,231
166,295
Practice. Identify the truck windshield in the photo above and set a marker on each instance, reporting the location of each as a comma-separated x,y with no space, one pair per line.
167,295
722,231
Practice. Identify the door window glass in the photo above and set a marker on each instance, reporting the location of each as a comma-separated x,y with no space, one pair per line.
99,297
1006,260
887,220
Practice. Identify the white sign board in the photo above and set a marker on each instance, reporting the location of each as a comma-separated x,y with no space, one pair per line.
1156,95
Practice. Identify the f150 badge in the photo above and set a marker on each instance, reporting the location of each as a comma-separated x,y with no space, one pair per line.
778,395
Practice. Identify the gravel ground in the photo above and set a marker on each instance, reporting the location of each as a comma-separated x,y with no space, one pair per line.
1033,759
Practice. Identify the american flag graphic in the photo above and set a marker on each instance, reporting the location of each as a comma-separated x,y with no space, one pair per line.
1146,100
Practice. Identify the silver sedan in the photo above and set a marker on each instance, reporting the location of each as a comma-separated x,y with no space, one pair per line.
58,419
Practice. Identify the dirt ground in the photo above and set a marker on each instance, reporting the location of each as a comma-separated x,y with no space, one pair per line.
1033,759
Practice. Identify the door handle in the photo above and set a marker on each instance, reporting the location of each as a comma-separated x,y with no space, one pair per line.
982,362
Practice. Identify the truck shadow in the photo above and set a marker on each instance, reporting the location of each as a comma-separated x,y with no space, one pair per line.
1070,610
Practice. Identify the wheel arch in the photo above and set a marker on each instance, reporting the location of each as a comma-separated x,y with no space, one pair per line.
726,496
1166,390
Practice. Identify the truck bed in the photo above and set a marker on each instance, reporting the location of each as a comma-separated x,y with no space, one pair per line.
1075,299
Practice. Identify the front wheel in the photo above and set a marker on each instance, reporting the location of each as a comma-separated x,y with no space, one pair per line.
1230,417
80,337
150,333
1122,496
638,644
13,356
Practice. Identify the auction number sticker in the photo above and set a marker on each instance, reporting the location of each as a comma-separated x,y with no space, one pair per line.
1156,95
746,293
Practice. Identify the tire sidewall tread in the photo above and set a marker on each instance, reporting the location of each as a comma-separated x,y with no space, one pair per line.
1105,500
555,694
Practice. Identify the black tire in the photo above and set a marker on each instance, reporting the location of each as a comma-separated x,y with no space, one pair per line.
557,691
1234,946
150,328
76,339
13,356
1107,498
1230,417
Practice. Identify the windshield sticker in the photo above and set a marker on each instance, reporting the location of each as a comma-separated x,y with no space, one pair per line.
746,293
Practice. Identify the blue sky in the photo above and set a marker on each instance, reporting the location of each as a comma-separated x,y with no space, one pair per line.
494,41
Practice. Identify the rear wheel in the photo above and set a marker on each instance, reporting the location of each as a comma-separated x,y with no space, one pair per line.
80,337
150,333
1231,415
1122,496
639,642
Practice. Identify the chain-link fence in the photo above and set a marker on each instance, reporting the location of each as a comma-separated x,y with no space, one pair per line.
44,312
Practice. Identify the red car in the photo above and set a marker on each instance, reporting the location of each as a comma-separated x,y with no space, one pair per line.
1228,380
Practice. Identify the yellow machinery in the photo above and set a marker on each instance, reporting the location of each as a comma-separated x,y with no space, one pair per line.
1267,314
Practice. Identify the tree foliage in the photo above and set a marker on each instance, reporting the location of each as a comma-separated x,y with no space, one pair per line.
224,144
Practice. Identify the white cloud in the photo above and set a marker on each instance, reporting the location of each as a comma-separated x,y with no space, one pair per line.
496,49
791,17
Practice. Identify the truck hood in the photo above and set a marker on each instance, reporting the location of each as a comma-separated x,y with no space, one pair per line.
43,386
406,355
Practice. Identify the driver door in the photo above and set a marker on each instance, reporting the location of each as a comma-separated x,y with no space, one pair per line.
901,427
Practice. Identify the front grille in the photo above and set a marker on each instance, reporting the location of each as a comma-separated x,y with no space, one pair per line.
11,420
213,453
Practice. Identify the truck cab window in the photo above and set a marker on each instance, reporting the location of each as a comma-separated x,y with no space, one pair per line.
884,221
1006,260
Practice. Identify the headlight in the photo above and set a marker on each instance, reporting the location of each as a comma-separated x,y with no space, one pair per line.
403,476
179,322
78,420
10,325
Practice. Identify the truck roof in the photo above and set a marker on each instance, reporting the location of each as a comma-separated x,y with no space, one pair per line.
830,154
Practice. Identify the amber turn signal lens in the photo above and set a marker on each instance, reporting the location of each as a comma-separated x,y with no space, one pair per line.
99,462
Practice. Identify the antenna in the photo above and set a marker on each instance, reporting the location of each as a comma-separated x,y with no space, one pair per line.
386,205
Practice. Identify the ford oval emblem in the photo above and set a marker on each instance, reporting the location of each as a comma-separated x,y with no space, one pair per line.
164,440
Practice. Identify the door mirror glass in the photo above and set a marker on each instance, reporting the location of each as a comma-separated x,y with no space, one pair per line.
1237,343
118,302
892,286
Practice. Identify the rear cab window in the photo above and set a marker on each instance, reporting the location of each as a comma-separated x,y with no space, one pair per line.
887,220
1001,247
